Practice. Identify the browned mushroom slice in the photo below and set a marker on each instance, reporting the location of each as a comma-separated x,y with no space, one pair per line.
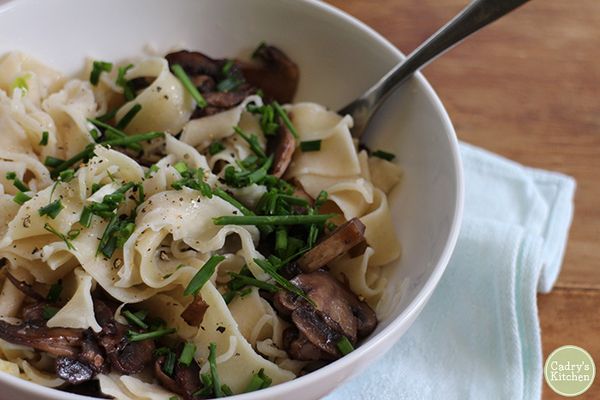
337,243
300,348
185,380
277,75
194,312
24,287
284,150
225,99
338,312
126,357
195,63
73,371
34,313
91,353
56,341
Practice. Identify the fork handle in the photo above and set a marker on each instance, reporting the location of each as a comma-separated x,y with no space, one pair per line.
475,16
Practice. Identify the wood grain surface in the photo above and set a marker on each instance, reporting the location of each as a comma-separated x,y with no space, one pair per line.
526,87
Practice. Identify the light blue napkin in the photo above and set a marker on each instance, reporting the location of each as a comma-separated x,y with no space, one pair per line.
479,336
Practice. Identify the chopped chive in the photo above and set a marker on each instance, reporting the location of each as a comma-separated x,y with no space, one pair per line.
294,200
252,141
187,354
188,85
49,311
181,167
321,199
310,145
280,240
73,233
124,83
231,200
212,360
66,175
137,337
53,162
86,217
203,275
54,292
244,280
272,219
344,346
153,169
106,117
259,380
215,147
226,390
44,140
20,82
269,269
123,122
258,175
169,365
61,236
12,176
174,398
52,209
383,154
134,319
97,68
21,198
286,120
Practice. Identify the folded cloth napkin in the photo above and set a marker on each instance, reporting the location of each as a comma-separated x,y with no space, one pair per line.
479,336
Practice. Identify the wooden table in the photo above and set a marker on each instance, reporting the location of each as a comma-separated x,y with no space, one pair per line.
527,87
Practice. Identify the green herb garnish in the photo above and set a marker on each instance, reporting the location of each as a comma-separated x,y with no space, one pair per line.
344,345
212,360
272,219
21,198
123,122
203,275
97,68
51,210
135,319
124,83
310,145
187,354
54,292
188,85
252,141
270,269
215,147
137,337
258,381
61,236
44,140
383,154
286,120
49,311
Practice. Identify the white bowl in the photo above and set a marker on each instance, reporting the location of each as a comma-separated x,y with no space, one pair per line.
339,57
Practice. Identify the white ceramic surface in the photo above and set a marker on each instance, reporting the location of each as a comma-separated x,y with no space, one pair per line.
339,57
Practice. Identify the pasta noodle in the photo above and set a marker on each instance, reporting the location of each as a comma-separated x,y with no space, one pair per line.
114,202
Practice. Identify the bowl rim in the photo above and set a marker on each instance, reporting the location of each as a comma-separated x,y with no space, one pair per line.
394,330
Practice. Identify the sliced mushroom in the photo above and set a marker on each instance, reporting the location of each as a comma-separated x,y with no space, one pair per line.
73,371
341,240
300,348
194,312
337,312
24,287
91,353
185,380
277,75
125,356
284,150
226,99
195,63
34,313
57,341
